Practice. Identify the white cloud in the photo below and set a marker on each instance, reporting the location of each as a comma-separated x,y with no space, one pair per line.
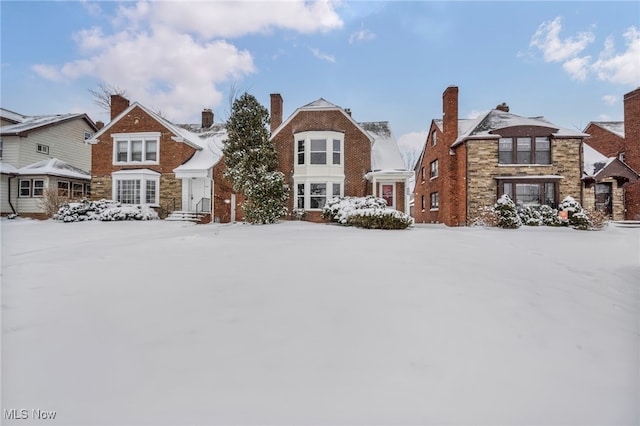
361,36
547,39
610,99
623,68
611,66
171,56
321,55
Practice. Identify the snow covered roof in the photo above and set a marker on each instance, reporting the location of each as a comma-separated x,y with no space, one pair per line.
615,127
320,104
54,167
7,169
385,154
12,116
28,124
210,141
488,125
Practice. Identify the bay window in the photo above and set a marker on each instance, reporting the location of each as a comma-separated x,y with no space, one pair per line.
38,187
314,195
136,186
318,148
318,151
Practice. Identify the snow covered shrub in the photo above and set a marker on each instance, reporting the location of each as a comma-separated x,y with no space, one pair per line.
379,219
578,218
549,216
507,214
105,210
486,216
365,212
298,214
338,209
530,216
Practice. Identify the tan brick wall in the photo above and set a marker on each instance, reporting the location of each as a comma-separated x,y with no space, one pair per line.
483,168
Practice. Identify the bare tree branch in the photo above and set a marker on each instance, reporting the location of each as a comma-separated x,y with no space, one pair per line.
102,95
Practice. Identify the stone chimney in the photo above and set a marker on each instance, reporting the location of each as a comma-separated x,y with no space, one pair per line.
207,118
118,104
450,114
503,107
99,124
276,110
632,129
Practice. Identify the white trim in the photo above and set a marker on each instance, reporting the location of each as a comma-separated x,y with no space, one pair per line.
143,175
307,181
307,136
144,137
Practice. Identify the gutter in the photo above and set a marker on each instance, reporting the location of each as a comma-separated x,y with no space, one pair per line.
9,193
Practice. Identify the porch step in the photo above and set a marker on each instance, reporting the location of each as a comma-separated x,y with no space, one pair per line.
627,223
185,216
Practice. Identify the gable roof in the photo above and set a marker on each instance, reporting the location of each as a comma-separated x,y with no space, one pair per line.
487,125
615,127
54,167
181,134
211,141
7,169
11,116
31,123
597,166
385,153
319,105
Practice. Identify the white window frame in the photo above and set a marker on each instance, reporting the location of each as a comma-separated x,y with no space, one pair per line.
20,187
433,169
63,182
75,184
42,148
306,185
437,204
41,188
128,138
329,137
143,175
393,194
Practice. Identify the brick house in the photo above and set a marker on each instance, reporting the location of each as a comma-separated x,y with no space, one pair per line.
324,152
467,164
40,154
617,142
141,158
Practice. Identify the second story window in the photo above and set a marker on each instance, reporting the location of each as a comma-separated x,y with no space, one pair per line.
43,149
434,169
524,150
136,148
433,138
318,151
318,148
300,152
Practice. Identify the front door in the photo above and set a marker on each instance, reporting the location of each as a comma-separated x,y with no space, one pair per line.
603,197
198,195
387,192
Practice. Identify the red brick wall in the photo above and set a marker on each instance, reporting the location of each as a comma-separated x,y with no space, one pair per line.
222,196
607,143
632,129
424,188
357,150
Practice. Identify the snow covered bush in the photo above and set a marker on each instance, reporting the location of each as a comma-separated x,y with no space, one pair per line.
530,216
104,210
338,209
578,218
549,216
365,212
598,220
507,214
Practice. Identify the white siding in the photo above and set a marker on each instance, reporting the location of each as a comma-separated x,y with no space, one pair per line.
11,150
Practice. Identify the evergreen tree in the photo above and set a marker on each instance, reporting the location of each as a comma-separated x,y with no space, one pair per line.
507,213
251,162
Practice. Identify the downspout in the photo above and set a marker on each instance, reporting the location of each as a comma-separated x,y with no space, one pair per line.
9,193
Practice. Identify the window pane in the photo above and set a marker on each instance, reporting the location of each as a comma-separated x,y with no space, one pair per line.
549,194
508,190
136,150
151,151
336,151
505,151
63,189
434,169
527,194
128,191
524,150
77,190
150,196
336,189
300,152
543,151
25,188
318,195
434,200
387,194
318,151
300,196
87,189
38,188
122,150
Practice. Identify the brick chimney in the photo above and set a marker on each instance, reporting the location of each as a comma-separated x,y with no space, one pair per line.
450,114
118,104
503,107
276,110
99,125
632,128
207,118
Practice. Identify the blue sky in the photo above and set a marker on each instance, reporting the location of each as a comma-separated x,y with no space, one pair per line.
571,62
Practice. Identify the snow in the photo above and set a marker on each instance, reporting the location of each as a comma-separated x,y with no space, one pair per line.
593,160
297,323
32,122
385,154
54,167
616,127
211,141
7,169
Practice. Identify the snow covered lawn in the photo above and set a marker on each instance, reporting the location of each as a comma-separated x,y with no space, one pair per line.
298,323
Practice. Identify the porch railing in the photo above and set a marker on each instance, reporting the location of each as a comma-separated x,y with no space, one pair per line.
204,206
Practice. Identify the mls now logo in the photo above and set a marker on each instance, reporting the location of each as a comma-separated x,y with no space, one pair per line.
23,414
